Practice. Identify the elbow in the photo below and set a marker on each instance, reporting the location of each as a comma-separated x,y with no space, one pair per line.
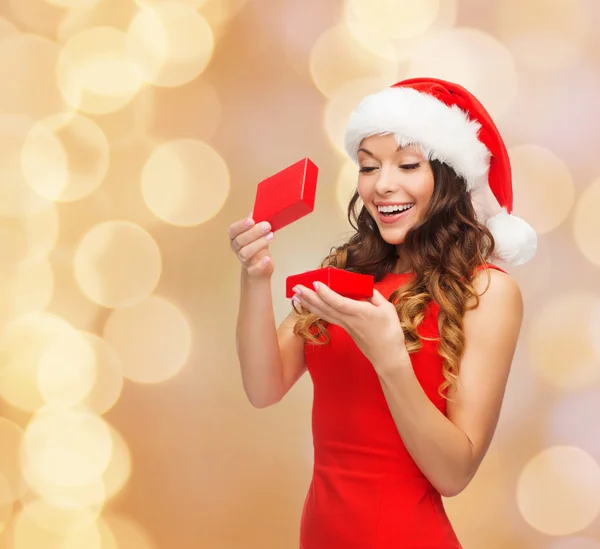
261,404
453,487
451,491
259,396
262,401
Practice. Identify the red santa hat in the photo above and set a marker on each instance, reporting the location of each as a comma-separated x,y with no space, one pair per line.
450,125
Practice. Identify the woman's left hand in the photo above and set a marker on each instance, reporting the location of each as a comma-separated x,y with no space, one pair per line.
373,324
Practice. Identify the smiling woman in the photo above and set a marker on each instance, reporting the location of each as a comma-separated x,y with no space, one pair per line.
383,166
408,385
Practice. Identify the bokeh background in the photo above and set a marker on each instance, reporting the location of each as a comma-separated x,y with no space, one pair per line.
133,133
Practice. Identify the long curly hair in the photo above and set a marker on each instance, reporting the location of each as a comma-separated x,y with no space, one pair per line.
444,247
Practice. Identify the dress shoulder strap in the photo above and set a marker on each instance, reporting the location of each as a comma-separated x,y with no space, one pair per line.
490,266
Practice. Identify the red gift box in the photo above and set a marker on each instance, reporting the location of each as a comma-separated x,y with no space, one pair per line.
286,196
352,285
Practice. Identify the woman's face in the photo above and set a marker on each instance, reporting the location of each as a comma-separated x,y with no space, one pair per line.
394,184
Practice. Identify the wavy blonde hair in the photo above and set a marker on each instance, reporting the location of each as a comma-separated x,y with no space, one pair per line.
445,248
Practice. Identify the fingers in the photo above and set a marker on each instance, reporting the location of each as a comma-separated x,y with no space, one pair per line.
310,300
240,227
250,242
333,299
244,235
377,299
249,254
314,309
260,265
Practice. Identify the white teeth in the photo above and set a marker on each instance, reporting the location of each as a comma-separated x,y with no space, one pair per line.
389,209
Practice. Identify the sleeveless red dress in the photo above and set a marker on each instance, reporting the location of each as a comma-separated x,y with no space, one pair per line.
366,491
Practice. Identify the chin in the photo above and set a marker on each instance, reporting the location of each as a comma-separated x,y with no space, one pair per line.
393,237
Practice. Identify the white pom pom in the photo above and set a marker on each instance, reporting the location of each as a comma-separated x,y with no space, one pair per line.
516,241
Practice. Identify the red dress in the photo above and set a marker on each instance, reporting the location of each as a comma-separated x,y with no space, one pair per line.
366,491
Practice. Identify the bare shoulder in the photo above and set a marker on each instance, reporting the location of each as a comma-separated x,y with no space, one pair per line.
498,291
491,331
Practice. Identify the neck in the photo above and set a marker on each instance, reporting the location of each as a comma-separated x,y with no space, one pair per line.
403,264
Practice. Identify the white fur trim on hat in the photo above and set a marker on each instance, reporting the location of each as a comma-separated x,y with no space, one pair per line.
444,133
516,241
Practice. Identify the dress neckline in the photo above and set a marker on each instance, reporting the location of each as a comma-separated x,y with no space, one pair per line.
397,275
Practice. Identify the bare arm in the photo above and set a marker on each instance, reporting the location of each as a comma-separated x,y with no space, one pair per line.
449,449
271,360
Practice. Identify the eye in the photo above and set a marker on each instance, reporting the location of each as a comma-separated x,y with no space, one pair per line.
367,169
410,166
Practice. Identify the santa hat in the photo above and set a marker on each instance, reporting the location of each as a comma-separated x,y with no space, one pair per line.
450,125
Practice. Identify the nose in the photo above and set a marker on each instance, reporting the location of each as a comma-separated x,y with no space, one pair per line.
388,181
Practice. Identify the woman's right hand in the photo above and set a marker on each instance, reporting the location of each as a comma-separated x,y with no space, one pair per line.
250,242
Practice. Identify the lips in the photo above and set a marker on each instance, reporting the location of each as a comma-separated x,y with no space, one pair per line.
389,219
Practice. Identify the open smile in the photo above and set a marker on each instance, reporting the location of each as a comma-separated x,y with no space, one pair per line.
391,213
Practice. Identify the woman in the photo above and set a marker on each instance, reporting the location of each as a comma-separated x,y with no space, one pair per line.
408,385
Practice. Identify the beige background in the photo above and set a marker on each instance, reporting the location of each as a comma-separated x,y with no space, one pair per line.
133,133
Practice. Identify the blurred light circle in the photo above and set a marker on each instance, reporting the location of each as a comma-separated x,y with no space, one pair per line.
219,13
119,468
6,502
401,18
27,534
86,535
27,73
73,4
54,518
153,339
7,28
66,446
544,191
561,341
94,72
90,496
16,197
433,20
185,182
586,225
191,3
125,533
475,60
36,17
66,368
117,264
65,157
27,288
114,14
544,35
109,375
346,185
29,239
337,58
170,44
11,438
558,491
341,105
43,357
